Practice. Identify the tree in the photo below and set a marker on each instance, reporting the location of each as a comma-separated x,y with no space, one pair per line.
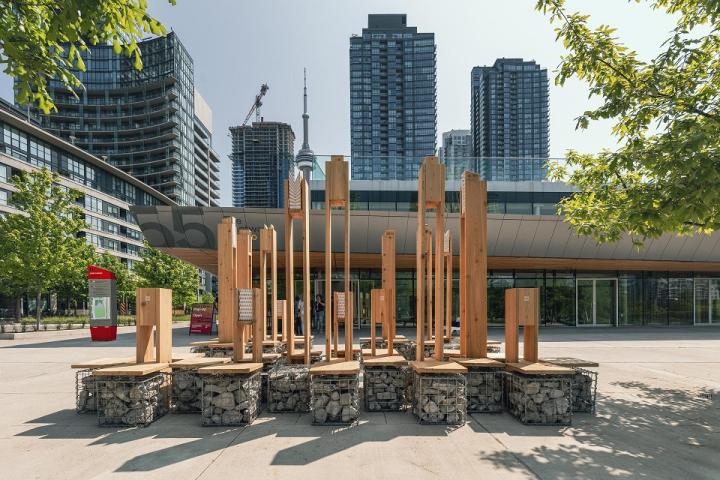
126,279
43,39
160,270
664,177
41,247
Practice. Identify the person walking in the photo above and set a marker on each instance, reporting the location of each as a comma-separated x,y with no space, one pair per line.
319,313
299,306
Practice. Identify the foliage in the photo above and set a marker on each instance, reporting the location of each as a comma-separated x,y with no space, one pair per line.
665,174
43,39
40,247
126,279
160,270
207,297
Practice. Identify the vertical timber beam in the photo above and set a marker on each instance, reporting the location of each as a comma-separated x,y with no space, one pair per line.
388,283
428,283
227,278
268,248
448,252
244,280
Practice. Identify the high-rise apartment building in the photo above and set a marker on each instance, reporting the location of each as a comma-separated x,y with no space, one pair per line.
393,114
509,119
207,161
140,121
261,156
457,153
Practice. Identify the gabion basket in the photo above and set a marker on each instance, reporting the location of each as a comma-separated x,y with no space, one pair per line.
485,390
335,399
131,401
186,391
584,390
385,388
85,391
406,349
288,389
439,398
541,399
229,400
379,343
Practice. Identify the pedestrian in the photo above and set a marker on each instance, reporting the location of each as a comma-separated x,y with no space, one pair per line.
299,306
319,313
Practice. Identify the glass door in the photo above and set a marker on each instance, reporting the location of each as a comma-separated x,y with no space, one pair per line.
707,301
596,301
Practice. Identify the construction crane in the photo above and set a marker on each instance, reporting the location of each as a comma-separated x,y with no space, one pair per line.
257,104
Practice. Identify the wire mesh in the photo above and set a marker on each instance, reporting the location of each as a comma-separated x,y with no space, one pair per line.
229,400
439,399
385,388
85,391
186,391
406,349
335,399
131,401
485,390
584,390
288,389
541,399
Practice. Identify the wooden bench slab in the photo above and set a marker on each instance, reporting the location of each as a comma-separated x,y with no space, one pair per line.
569,362
435,366
341,350
389,360
379,352
336,367
104,362
135,370
198,362
479,362
231,369
538,369
204,343
300,354
220,345
266,358
431,343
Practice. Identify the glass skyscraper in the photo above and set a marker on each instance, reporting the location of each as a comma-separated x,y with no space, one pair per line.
393,113
509,119
141,122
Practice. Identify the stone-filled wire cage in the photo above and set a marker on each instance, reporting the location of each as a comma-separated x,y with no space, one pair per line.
439,398
131,401
541,399
85,391
229,400
288,389
335,399
584,390
485,390
406,349
379,343
186,391
385,388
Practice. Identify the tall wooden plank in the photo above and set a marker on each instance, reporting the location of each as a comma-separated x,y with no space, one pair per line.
263,274
227,278
289,328
307,302
439,279
511,326
346,278
448,251
420,253
163,326
389,284
244,280
429,285
258,325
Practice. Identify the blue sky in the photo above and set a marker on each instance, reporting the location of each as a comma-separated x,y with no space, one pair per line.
237,45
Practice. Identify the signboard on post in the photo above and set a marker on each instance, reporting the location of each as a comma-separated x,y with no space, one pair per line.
102,300
201,318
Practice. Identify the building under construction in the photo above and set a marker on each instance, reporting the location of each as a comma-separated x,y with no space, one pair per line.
261,154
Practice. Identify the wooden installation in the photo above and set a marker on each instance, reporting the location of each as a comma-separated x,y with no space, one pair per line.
521,309
448,253
473,266
431,194
242,330
297,206
388,284
337,195
227,277
339,312
153,309
379,313
429,274
268,248
250,314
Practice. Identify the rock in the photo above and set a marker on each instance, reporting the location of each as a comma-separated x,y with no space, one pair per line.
335,398
289,386
225,400
532,388
439,398
320,415
232,399
546,405
129,401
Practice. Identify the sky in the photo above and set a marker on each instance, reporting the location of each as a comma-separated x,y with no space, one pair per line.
237,45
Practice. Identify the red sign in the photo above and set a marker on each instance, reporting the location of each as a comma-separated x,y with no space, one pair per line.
97,273
201,318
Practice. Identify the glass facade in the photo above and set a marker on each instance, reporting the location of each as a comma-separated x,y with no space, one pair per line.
140,121
509,120
393,115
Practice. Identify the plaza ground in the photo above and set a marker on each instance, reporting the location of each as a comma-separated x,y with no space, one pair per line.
658,418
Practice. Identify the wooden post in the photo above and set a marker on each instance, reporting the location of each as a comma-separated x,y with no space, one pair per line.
511,326
281,309
297,206
388,283
428,288
337,194
473,266
522,307
241,332
153,309
227,278
448,252
268,248
431,194
379,312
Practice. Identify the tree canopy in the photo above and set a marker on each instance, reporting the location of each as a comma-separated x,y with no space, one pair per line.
160,270
43,39
665,175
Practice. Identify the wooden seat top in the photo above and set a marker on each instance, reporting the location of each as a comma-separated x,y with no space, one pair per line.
388,360
478,362
341,349
379,352
569,362
231,369
204,343
336,367
539,368
103,362
220,345
198,362
134,370
435,366
430,343
299,354
266,358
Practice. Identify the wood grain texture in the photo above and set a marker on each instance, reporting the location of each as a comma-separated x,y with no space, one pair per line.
528,368
231,368
226,277
134,370
192,363
437,366
336,367
511,326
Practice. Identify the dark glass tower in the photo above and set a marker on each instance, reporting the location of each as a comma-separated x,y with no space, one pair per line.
393,112
140,121
509,119
261,155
